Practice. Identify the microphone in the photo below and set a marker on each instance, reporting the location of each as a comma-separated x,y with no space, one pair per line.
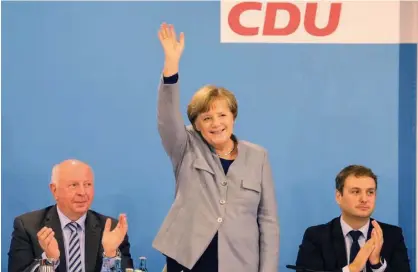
303,269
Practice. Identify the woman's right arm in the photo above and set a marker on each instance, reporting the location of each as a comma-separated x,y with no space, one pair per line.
170,122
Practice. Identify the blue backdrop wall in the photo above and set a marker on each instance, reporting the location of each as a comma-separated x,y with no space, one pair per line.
79,80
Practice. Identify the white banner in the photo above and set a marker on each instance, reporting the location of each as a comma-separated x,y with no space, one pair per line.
350,21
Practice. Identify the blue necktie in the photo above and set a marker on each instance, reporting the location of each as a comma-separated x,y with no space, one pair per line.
355,247
74,250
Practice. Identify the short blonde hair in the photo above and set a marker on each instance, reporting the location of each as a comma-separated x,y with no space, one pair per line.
205,96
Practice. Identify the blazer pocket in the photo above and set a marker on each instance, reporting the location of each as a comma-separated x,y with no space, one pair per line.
251,185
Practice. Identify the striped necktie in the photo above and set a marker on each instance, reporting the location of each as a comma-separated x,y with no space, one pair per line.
74,251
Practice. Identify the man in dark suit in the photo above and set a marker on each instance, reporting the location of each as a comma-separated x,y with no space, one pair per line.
354,242
68,234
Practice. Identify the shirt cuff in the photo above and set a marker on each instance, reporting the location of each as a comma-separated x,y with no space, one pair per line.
108,263
345,269
171,79
56,264
382,268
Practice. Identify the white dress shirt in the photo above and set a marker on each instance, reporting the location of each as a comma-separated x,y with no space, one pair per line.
362,240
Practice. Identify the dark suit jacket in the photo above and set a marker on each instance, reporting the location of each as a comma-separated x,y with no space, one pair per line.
24,246
323,248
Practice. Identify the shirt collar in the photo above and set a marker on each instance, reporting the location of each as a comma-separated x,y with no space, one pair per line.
346,228
64,220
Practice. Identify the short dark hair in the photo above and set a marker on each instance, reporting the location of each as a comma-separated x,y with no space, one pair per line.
357,171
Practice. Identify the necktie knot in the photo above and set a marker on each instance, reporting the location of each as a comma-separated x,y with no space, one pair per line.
73,226
355,234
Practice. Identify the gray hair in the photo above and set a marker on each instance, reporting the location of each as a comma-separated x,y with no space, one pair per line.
54,175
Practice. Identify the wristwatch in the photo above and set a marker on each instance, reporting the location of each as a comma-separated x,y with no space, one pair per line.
50,261
378,265
118,254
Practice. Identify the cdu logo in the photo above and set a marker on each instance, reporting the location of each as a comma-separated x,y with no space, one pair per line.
349,21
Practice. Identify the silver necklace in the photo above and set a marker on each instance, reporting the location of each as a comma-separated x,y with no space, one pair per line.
227,154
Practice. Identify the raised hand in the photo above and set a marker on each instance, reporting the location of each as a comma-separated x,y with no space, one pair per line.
377,235
111,240
173,48
48,243
362,256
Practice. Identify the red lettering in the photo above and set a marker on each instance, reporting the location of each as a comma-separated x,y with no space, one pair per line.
235,14
271,14
333,19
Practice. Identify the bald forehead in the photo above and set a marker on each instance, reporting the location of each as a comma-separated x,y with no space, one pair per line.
73,170
73,164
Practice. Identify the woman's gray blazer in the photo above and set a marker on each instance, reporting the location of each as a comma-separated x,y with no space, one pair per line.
240,206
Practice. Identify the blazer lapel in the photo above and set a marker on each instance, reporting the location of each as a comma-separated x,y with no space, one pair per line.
92,239
52,220
201,164
236,167
339,242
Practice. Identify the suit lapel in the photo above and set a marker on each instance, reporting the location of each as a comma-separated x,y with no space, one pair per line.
339,242
92,241
52,220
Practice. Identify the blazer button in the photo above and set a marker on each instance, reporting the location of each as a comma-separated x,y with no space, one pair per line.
222,202
219,219
223,183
